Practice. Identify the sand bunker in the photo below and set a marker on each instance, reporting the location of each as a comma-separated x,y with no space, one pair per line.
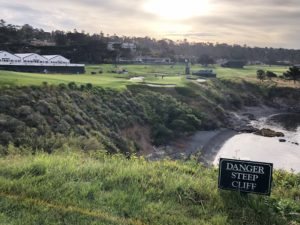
161,85
137,79
201,80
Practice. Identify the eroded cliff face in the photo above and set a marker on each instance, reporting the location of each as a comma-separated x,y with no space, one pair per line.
90,118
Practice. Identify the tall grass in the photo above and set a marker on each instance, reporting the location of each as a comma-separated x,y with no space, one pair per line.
76,188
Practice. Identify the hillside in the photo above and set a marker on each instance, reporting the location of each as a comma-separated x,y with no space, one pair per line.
68,150
47,117
75,188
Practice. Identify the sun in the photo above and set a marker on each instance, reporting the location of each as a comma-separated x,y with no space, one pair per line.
178,9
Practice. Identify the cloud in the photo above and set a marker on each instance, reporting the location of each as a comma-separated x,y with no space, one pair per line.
255,22
199,34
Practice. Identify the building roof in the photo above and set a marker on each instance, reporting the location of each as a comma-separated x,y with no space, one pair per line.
9,53
53,56
50,56
23,55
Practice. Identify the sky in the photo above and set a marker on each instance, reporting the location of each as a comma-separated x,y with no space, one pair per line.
262,23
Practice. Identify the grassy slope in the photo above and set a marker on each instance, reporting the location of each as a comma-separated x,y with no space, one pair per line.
73,188
119,81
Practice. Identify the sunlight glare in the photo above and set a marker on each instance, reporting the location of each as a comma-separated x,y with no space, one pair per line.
178,9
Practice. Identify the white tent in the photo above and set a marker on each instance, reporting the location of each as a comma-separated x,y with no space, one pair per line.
58,59
32,58
8,57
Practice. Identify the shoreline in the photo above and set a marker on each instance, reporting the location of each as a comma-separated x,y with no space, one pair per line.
205,145
211,149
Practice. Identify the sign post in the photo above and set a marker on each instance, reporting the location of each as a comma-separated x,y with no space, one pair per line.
245,176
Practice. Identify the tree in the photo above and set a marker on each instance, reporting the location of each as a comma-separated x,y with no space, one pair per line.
206,60
270,75
261,75
293,73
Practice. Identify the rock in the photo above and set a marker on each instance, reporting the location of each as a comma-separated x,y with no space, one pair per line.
248,129
279,134
282,140
269,133
250,116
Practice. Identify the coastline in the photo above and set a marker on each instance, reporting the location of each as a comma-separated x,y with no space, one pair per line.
206,144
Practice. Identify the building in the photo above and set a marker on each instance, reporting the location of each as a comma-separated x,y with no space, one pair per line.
234,64
130,46
7,57
111,46
56,59
36,42
205,73
31,58
35,63
153,60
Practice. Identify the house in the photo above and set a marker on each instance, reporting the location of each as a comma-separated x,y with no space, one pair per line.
36,42
234,64
130,46
56,59
205,73
7,57
111,46
31,58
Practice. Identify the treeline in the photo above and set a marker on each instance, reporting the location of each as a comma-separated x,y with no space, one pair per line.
92,48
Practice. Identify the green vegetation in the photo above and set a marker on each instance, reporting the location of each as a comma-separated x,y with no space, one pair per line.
76,188
293,73
88,118
81,122
92,48
152,74
261,75
47,117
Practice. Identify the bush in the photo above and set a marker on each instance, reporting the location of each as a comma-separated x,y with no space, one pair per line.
161,134
72,85
89,86
185,91
270,74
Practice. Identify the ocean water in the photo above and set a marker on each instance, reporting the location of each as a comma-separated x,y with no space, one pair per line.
283,155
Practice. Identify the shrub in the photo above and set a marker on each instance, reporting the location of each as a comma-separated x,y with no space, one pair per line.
62,86
89,86
72,85
270,74
24,110
161,134
185,91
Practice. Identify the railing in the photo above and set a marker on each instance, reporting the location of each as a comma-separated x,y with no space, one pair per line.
39,64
